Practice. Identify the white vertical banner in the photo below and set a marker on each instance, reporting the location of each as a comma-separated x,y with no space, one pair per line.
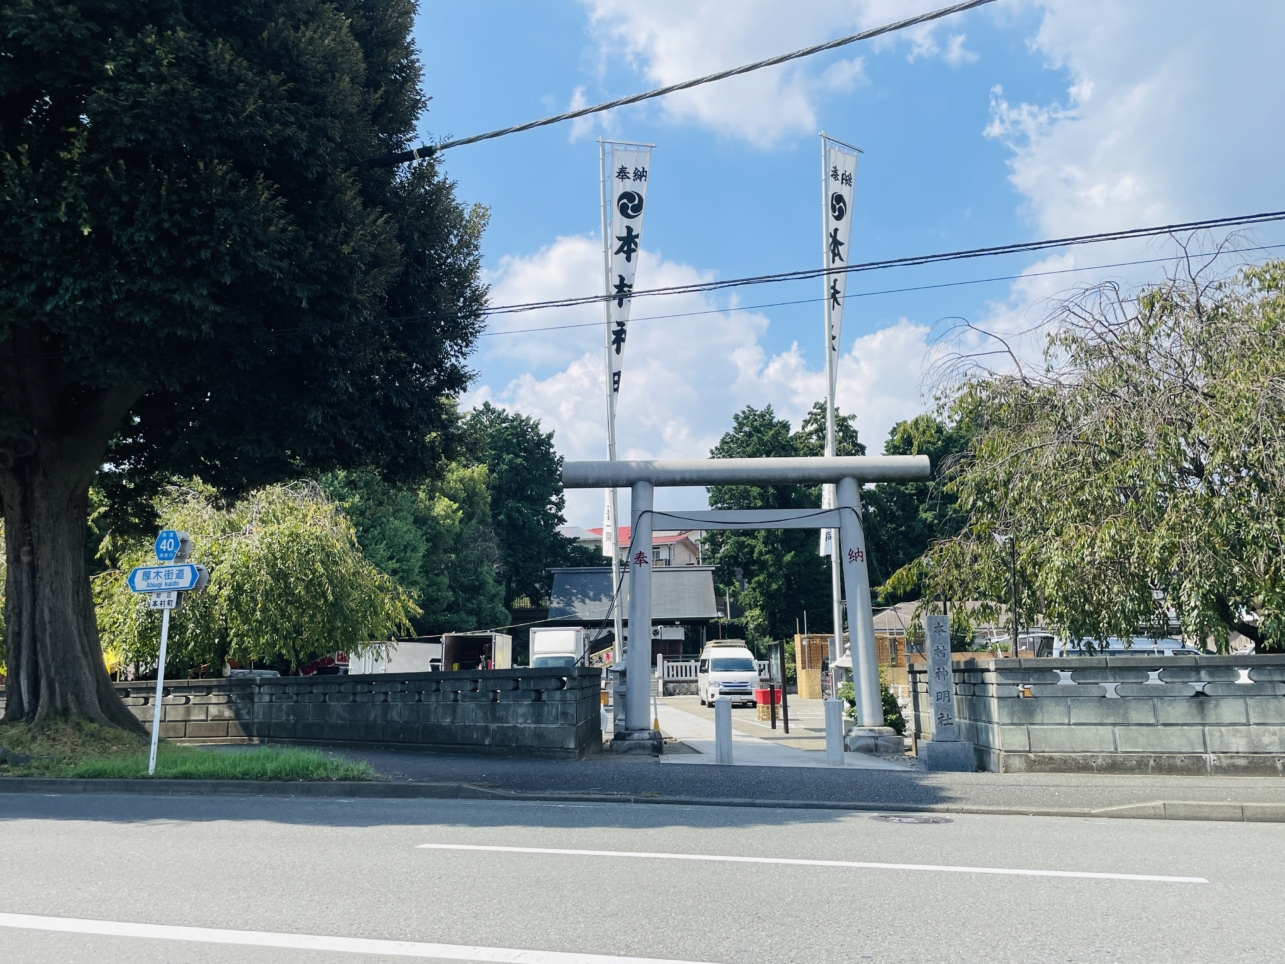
627,171
841,176
609,525
838,178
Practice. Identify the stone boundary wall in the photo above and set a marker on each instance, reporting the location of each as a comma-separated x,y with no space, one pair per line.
549,712
1196,715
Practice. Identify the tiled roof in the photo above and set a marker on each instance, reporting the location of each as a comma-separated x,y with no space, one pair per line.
677,592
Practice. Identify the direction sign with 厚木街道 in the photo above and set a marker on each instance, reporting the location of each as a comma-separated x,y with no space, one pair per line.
165,578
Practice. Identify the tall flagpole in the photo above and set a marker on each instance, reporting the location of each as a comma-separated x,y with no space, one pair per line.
828,491
610,539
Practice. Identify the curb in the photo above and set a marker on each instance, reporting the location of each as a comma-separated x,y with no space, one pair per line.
1154,810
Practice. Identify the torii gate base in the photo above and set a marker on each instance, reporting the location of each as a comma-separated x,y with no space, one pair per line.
850,548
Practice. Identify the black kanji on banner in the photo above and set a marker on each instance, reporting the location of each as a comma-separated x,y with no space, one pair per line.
628,243
622,288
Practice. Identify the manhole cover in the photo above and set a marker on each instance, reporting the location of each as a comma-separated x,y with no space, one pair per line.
909,818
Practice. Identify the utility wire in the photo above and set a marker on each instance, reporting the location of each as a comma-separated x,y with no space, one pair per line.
730,309
913,261
1131,233
430,150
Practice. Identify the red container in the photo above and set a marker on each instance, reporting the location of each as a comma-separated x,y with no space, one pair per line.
763,697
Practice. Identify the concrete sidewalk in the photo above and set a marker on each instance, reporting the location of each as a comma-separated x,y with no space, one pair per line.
697,732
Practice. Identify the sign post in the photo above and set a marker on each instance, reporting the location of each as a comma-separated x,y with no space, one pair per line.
164,586
160,688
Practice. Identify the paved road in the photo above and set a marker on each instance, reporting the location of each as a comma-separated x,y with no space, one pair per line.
606,773
696,731
268,876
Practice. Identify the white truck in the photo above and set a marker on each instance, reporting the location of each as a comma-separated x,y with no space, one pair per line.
556,646
726,668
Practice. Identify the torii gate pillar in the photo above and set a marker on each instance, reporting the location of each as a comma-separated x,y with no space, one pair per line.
861,624
638,654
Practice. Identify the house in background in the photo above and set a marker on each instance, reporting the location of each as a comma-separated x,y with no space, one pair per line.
668,548
682,606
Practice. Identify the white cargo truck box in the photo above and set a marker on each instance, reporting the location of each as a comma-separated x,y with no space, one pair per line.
558,646
405,657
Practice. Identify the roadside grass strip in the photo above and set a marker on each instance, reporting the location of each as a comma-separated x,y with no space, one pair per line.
848,864
77,749
259,763
313,942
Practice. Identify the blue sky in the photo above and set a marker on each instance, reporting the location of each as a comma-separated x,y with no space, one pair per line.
1017,121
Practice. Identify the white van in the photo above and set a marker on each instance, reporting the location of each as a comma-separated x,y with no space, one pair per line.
728,669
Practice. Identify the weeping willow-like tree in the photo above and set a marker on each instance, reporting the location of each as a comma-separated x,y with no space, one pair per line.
1140,466
288,582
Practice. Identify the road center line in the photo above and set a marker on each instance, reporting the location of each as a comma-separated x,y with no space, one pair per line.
799,862
311,942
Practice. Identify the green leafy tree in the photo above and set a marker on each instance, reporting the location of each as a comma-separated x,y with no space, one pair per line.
904,519
784,574
1141,467
199,276
288,583
524,478
436,541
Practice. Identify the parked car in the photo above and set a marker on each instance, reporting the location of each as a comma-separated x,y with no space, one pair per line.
1117,646
726,668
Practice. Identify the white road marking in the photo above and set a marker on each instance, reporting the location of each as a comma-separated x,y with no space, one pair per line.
311,942
798,862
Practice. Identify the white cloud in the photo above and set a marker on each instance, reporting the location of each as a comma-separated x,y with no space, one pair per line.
956,54
674,40
1171,114
683,377
582,126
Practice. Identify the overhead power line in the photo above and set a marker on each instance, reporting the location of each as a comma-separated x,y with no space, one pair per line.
429,150
731,309
912,261
1131,233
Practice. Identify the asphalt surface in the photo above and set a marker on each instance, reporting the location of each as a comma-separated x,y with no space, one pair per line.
644,777
281,871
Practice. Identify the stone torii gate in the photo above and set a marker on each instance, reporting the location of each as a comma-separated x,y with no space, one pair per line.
848,473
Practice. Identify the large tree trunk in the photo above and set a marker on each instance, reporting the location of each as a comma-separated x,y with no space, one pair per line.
54,660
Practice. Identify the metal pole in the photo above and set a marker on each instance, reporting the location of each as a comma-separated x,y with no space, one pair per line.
160,689
785,693
1012,570
618,651
638,657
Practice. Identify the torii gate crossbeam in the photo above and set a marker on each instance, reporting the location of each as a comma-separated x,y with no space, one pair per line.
848,473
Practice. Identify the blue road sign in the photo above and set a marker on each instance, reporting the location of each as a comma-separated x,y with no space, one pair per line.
163,578
167,545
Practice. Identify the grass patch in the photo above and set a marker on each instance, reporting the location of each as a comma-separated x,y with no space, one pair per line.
175,762
81,750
